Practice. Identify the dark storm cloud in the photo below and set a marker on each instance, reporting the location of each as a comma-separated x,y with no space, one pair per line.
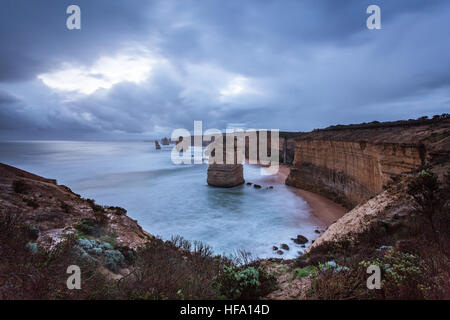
34,37
293,65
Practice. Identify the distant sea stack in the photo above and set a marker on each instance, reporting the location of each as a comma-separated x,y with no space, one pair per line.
157,145
226,175
165,141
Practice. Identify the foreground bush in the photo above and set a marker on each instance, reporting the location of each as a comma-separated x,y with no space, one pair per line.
244,282
29,272
164,271
161,270
404,276
414,261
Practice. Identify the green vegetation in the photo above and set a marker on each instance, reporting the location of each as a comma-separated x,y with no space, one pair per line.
412,252
304,272
244,282
88,227
399,123
414,260
19,186
160,270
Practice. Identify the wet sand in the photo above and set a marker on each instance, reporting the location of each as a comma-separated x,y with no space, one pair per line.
323,208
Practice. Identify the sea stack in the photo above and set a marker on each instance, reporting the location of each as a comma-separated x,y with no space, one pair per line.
226,175
165,141
157,145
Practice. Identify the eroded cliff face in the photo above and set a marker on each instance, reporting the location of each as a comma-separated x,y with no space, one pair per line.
351,165
351,172
287,149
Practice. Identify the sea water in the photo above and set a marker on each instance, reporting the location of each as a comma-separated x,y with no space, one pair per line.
168,199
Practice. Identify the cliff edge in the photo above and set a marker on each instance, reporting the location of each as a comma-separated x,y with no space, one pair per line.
56,212
351,164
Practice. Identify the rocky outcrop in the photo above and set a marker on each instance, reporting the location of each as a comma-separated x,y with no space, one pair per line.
225,175
157,145
356,220
351,165
55,211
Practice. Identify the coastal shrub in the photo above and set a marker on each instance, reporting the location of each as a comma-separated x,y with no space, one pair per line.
242,257
164,271
113,260
99,212
431,202
98,250
244,282
89,227
347,284
13,234
329,250
65,207
19,186
32,247
117,210
32,272
31,203
129,255
180,242
100,218
32,232
303,272
159,270
403,276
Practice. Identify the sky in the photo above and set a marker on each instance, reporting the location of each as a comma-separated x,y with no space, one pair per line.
140,69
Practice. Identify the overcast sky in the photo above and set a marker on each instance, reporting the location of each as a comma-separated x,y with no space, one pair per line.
139,69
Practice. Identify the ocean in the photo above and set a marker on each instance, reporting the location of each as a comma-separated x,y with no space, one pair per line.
168,199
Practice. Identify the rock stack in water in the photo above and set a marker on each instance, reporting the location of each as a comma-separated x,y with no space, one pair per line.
165,141
226,175
157,145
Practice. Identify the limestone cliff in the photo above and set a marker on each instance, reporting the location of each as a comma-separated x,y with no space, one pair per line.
351,164
287,146
225,175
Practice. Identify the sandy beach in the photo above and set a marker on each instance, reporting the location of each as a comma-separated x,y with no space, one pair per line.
325,209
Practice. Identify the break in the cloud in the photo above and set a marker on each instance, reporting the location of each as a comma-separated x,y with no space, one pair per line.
104,74
143,68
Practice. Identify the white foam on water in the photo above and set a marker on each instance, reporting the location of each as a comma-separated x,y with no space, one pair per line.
169,199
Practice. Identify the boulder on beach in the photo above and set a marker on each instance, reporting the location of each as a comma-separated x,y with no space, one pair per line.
300,239
257,186
284,246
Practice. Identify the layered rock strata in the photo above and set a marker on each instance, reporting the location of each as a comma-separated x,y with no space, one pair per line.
225,175
352,164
